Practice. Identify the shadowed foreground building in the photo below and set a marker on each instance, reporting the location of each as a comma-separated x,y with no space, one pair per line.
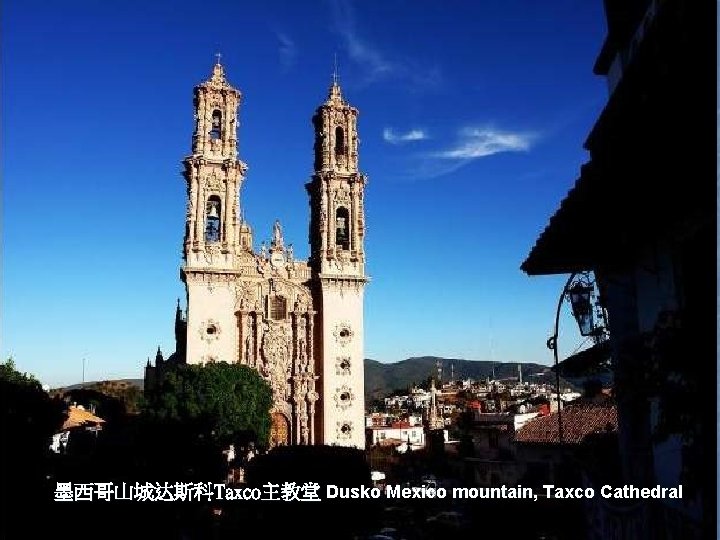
299,323
642,218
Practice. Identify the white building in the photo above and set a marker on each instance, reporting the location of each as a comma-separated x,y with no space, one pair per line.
397,434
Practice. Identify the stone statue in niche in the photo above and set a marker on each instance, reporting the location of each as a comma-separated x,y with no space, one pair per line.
277,239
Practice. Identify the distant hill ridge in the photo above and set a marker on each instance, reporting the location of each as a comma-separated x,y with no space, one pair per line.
98,385
382,378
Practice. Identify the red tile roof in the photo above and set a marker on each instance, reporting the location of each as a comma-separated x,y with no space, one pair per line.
79,417
578,421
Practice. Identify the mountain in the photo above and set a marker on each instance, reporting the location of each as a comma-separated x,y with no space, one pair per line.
106,385
381,379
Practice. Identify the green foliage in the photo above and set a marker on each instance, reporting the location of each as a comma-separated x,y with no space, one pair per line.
10,375
220,402
29,417
26,410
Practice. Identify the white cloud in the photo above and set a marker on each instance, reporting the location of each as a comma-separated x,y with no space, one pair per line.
472,143
396,138
287,50
376,65
481,142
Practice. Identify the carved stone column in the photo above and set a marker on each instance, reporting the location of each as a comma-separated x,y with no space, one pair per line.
296,416
312,398
330,228
226,210
257,338
295,342
201,213
242,358
323,222
310,343
198,204
353,217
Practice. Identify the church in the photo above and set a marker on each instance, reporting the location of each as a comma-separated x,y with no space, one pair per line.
298,323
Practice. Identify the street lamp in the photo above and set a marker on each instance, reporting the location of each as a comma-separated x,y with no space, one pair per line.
579,294
578,289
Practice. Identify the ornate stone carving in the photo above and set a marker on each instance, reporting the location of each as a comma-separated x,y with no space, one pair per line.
303,362
209,330
342,365
343,333
277,361
344,429
214,183
344,397
245,295
302,300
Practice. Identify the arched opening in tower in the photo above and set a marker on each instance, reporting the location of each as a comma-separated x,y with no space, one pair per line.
342,228
212,219
215,128
339,141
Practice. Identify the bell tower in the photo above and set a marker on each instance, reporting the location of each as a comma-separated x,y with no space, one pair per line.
214,175
337,260
216,240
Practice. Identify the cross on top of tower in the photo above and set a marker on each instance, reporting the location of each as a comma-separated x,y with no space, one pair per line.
218,72
335,95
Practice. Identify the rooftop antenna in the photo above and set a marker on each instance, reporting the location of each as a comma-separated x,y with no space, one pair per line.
492,352
218,56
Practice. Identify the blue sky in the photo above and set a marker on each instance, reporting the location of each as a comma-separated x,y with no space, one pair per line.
472,118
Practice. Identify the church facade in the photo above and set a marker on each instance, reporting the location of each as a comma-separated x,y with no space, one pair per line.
298,323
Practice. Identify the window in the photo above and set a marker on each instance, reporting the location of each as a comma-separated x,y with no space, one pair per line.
278,306
212,221
339,142
215,129
342,234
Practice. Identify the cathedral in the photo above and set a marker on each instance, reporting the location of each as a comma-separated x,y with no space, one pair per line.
298,323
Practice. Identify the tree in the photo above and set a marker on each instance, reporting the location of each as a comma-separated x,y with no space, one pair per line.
28,417
216,402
